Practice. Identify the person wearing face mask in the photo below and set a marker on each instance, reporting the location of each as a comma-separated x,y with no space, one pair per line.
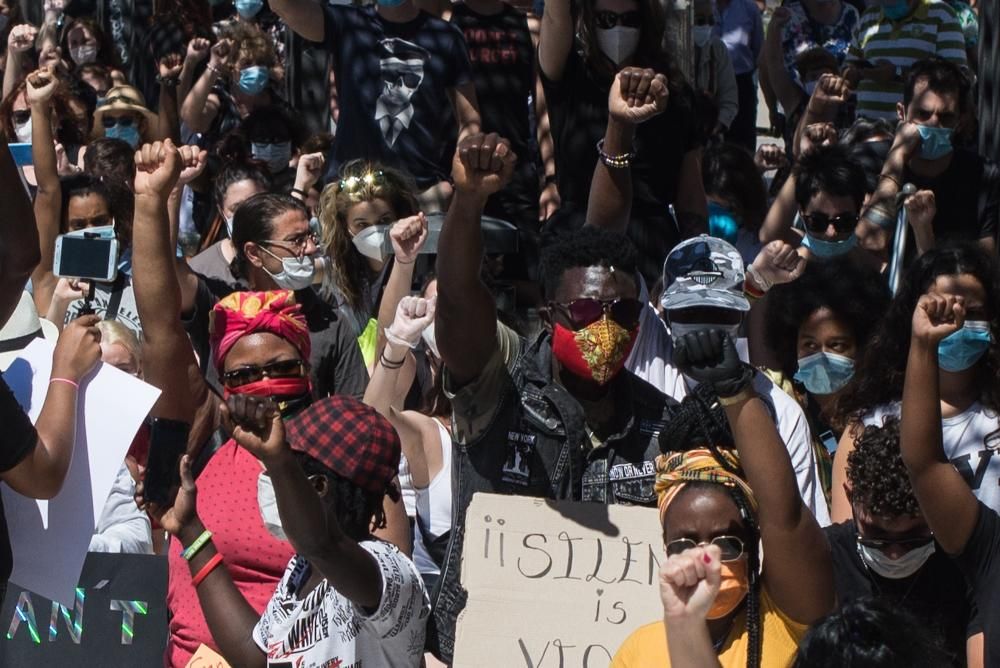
726,493
713,70
964,185
85,43
887,550
878,62
274,136
740,26
123,115
594,436
968,371
737,197
586,57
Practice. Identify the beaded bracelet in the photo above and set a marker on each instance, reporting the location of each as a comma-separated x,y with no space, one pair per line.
622,161
199,543
206,569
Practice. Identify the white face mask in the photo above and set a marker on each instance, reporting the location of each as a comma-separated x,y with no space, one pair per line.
618,43
896,569
83,55
370,242
268,505
701,35
296,272
23,132
428,336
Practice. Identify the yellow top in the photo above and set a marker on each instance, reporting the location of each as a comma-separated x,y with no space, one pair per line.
647,646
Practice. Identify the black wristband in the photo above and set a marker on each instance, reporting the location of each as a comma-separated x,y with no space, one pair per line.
550,179
733,386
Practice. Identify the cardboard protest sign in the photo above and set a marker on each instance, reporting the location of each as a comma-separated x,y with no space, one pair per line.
49,539
118,619
553,583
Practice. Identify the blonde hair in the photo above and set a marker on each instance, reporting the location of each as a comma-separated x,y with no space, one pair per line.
360,181
113,332
254,47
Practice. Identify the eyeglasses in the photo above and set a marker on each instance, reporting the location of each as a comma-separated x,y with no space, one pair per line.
906,543
252,374
704,21
112,121
582,312
607,19
298,245
21,116
817,223
730,546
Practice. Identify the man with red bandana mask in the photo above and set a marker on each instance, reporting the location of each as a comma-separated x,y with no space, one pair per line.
555,417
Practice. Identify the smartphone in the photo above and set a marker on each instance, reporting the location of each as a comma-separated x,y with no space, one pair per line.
167,443
81,257
21,154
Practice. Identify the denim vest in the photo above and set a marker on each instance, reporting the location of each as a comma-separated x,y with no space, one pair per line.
538,445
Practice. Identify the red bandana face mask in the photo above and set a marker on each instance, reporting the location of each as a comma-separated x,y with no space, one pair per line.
290,393
595,353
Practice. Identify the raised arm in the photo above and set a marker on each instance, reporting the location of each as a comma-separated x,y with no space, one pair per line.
200,105
466,108
197,52
636,96
168,122
831,93
878,221
465,323
797,571
20,41
408,237
305,17
945,499
19,252
772,61
41,85
556,38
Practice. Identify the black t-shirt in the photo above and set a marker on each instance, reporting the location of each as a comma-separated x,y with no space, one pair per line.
967,196
980,563
503,69
20,439
392,82
936,594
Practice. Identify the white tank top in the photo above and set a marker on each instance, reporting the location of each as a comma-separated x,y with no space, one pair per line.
434,507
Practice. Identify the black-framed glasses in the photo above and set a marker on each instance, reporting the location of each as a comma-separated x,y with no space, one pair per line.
731,547
21,116
607,19
818,223
884,544
298,245
252,373
112,121
582,312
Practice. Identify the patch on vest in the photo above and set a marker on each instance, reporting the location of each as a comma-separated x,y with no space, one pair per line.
516,469
631,471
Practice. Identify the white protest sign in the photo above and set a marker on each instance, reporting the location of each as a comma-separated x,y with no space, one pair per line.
555,583
49,539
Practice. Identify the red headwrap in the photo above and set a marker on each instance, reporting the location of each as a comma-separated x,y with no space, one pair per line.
243,313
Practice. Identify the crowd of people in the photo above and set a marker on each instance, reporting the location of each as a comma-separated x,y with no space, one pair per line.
526,250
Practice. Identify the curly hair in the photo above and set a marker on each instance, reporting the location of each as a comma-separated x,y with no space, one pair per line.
851,290
879,378
359,512
875,470
587,247
254,48
358,181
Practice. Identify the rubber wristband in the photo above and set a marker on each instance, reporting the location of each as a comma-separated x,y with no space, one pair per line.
389,364
299,191
65,380
199,543
206,569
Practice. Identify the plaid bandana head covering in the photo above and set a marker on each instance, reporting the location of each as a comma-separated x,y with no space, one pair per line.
243,313
675,469
350,438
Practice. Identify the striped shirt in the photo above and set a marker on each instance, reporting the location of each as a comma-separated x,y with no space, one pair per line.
932,29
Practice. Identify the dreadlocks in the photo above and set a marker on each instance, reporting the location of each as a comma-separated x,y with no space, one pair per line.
700,425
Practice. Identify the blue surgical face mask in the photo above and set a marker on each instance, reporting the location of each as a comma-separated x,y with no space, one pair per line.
896,10
824,249
249,8
824,373
253,80
275,155
127,133
722,223
962,349
934,142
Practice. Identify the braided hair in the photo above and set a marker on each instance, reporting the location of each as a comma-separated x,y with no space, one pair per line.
700,422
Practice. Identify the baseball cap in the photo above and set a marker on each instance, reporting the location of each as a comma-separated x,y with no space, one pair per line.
704,271
348,437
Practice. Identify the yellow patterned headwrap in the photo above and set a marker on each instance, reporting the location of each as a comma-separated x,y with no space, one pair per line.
243,313
676,469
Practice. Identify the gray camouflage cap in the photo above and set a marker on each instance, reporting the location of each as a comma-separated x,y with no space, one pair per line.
704,271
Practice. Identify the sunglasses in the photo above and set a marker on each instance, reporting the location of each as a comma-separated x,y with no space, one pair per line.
353,183
112,121
817,223
607,19
905,543
21,116
582,312
730,546
252,374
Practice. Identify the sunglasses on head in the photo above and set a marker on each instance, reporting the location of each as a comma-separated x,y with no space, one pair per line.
730,546
112,121
818,223
607,19
905,543
21,116
251,374
582,312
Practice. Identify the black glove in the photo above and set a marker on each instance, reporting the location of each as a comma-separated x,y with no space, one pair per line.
709,356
